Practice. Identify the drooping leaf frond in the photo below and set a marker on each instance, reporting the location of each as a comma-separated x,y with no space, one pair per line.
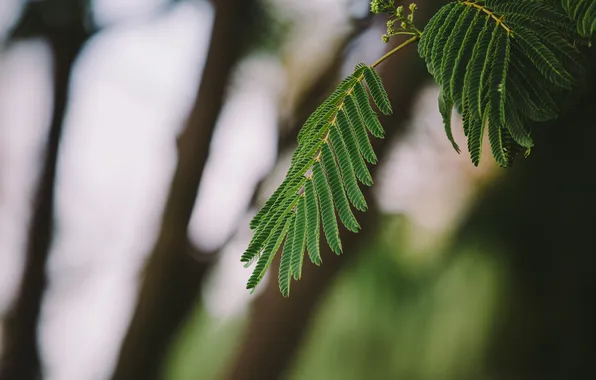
502,64
321,186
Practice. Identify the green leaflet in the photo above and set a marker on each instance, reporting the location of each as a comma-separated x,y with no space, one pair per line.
454,44
298,239
495,137
347,134
476,135
539,14
359,129
474,80
441,38
496,80
327,209
583,13
532,105
445,108
430,31
377,90
541,102
337,190
325,111
480,95
516,128
370,117
289,184
285,273
455,74
321,181
503,64
545,60
347,170
273,226
312,223
269,252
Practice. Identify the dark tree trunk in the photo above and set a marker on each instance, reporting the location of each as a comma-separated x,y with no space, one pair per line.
174,273
277,325
541,219
21,357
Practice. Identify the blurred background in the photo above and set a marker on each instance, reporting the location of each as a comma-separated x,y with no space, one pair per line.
137,139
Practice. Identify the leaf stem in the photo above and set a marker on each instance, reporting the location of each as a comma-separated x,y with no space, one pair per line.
395,50
404,34
499,20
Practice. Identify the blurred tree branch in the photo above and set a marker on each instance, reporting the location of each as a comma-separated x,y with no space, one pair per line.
61,24
188,282
277,325
172,277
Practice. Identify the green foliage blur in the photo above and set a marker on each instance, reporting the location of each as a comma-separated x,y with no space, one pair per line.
396,313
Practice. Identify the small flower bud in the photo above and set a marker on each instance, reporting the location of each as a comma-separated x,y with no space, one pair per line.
376,6
380,6
391,26
399,13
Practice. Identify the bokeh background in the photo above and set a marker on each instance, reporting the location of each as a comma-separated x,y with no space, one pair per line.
137,139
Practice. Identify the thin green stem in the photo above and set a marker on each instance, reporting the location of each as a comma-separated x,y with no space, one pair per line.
403,33
395,50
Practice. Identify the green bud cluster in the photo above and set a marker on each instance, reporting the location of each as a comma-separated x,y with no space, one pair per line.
398,16
382,6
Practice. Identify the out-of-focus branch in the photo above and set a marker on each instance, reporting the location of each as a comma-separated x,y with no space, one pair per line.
277,325
21,357
173,277
184,274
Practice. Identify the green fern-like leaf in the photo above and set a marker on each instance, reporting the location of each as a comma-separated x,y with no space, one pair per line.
502,64
322,181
